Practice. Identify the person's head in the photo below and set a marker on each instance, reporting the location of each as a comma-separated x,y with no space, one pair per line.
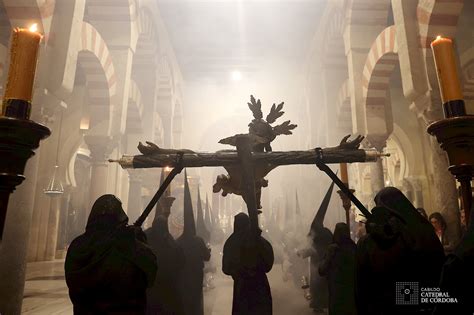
398,205
438,221
241,222
106,214
462,217
422,212
341,233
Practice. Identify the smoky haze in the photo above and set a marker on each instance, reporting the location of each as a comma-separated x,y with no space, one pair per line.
228,50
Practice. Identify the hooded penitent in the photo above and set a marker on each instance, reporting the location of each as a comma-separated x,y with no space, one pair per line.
189,228
201,229
247,259
400,246
164,297
321,238
338,266
195,252
108,267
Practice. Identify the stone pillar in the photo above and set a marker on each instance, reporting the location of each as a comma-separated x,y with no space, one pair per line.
377,180
14,246
53,227
134,206
100,147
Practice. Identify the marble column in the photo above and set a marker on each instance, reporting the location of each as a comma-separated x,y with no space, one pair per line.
134,206
100,147
14,246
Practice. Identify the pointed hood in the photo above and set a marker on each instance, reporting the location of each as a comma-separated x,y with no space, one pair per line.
208,218
201,230
188,215
319,217
158,208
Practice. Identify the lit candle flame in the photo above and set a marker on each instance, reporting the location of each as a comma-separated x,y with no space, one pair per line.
438,37
33,28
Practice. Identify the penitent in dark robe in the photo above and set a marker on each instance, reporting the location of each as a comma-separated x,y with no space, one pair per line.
400,246
248,257
195,253
164,298
109,267
338,266
457,276
320,239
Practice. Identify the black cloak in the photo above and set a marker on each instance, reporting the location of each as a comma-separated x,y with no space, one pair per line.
400,246
247,258
339,267
109,267
195,253
163,297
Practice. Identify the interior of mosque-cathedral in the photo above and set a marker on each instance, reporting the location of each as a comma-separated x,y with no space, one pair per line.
111,74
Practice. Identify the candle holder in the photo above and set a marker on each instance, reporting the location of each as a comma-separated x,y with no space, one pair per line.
346,204
456,136
18,140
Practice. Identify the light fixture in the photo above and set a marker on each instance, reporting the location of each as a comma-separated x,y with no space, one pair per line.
55,187
236,75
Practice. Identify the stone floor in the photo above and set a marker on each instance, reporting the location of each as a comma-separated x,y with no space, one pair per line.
46,293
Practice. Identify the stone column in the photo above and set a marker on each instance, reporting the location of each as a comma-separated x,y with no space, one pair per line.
377,180
13,248
100,147
53,227
134,206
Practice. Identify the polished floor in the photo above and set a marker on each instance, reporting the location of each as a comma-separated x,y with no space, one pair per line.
46,293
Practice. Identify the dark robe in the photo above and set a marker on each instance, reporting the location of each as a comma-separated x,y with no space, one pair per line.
163,298
338,266
109,267
457,277
400,246
191,278
247,258
320,238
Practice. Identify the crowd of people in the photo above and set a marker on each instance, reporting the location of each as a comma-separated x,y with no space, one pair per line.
115,268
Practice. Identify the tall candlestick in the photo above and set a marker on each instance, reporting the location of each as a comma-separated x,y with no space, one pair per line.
448,78
21,73
344,176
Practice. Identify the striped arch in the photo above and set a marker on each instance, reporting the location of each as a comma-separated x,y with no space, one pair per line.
332,37
343,107
96,63
368,12
158,132
381,61
438,17
26,12
467,66
134,109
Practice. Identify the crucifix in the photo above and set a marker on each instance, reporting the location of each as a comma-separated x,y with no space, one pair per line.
252,160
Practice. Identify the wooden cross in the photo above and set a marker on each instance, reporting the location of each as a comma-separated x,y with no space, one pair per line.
251,162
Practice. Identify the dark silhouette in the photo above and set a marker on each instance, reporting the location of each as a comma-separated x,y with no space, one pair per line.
320,238
164,298
457,276
196,253
339,267
247,258
400,246
109,267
